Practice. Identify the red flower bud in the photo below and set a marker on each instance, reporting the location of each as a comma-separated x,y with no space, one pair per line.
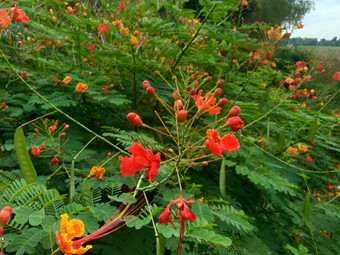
150,91
192,163
220,82
182,115
146,84
42,147
63,134
208,78
234,111
223,102
196,83
36,130
192,92
218,92
5,215
171,150
168,70
67,126
235,123
35,151
156,73
134,119
178,105
54,161
176,95
205,163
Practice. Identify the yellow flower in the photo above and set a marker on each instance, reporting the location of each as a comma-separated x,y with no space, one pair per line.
292,151
97,172
274,33
263,84
133,40
68,231
289,80
67,79
81,87
124,31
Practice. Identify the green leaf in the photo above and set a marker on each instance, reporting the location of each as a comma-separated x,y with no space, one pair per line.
234,220
210,237
25,242
312,130
24,214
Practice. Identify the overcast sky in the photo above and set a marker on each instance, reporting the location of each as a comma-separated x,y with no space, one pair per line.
322,22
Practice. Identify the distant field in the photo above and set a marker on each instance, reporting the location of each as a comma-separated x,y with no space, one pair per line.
329,56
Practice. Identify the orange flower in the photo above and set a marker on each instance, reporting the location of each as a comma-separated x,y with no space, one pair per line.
292,151
299,25
274,33
117,22
97,172
124,31
302,147
68,231
18,15
218,145
336,76
206,104
81,87
289,80
133,40
121,6
67,79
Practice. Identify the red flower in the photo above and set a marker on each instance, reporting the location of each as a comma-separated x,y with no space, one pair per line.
235,123
35,151
183,211
121,6
218,145
102,28
5,21
18,15
141,158
308,158
206,104
54,161
5,215
336,76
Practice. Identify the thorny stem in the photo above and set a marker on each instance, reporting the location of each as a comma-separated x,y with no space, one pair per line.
56,108
181,53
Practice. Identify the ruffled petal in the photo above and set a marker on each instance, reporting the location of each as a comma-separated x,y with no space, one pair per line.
153,170
230,143
187,214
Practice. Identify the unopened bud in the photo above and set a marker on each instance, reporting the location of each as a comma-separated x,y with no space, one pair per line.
218,92
156,73
192,163
192,92
220,82
150,91
168,70
63,134
208,78
182,115
178,105
5,215
234,111
196,83
223,102
235,123
146,84
67,126
176,95
171,150
204,163
134,119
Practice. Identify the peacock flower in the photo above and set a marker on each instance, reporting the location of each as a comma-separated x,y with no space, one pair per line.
206,104
67,80
68,231
141,159
97,172
133,40
183,212
5,20
274,34
81,87
218,145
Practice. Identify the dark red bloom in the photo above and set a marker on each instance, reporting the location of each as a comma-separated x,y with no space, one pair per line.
235,123
218,145
54,161
141,159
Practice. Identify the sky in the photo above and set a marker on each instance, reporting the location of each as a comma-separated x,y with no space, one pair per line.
321,22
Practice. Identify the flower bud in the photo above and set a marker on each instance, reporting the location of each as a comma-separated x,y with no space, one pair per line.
156,73
178,105
196,83
235,123
171,150
220,82
234,111
208,78
182,115
205,163
223,102
176,95
218,92
192,92
63,134
146,84
5,215
168,70
134,119
150,91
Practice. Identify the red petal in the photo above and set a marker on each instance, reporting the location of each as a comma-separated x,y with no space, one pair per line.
187,214
230,143
153,170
